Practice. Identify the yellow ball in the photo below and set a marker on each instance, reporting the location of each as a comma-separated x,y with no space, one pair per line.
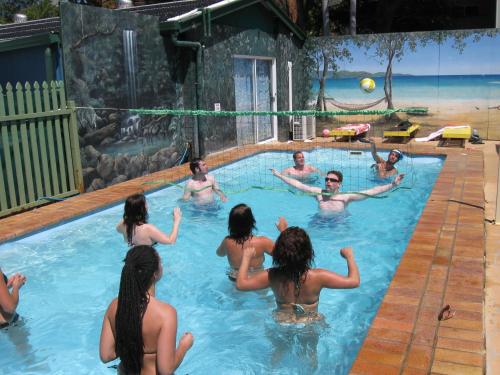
367,85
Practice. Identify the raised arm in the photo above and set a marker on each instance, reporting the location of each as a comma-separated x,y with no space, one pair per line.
296,184
375,156
160,237
333,280
9,301
169,357
260,280
373,191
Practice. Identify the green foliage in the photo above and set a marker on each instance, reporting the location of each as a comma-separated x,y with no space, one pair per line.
43,9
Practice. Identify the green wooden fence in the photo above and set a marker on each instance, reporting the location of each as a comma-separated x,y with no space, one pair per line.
39,149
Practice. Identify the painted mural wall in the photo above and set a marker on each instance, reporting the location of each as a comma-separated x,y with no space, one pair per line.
455,75
116,61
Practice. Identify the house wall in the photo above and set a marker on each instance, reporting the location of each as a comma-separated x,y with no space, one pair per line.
23,65
105,79
253,32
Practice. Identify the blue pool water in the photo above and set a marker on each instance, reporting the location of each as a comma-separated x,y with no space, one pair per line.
73,273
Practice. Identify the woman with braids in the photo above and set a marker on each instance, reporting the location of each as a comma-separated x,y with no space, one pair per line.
138,328
135,227
296,286
241,224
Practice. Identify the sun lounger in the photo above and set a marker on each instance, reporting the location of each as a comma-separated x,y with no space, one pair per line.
460,133
403,131
350,130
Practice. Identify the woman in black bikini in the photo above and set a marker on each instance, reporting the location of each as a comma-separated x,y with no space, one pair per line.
9,299
138,328
296,286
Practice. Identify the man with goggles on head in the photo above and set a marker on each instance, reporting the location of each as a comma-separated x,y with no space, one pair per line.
385,168
330,198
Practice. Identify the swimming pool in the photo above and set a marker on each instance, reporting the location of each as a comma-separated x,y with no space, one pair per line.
73,272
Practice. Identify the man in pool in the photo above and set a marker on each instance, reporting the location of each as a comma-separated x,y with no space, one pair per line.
202,186
300,170
330,199
385,168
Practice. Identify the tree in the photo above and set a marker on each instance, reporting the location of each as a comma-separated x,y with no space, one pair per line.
352,17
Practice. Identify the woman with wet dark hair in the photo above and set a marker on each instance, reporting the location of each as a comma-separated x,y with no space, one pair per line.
241,225
135,227
138,328
295,284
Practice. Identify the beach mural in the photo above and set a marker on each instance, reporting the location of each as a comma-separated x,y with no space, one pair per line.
455,75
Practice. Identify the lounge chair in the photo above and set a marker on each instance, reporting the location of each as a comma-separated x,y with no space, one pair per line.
402,132
350,131
453,133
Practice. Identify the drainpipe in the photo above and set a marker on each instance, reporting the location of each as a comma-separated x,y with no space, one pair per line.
198,146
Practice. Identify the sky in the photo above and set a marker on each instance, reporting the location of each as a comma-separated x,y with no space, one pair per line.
481,57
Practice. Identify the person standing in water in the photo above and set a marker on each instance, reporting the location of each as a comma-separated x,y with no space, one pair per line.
330,199
295,284
135,228
241,224
138,328
202,185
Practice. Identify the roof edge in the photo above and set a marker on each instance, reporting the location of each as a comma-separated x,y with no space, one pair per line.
190,19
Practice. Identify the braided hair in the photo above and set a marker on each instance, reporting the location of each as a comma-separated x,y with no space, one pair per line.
141,263
293,256
241,223
135,213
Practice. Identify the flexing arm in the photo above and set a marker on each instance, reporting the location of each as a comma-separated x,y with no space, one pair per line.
296,184
373,191
9,301
259,280
375,156
160,237
333,280
169,357
107,350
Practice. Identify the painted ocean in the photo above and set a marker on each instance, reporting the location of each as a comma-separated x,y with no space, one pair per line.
418,89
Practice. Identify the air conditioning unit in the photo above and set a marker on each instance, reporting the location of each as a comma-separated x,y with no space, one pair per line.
304,127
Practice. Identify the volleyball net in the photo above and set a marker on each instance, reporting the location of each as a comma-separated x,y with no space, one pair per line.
324,138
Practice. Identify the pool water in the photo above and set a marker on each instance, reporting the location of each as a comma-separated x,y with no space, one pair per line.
73,272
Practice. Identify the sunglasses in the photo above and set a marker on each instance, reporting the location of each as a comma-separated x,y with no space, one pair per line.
331,179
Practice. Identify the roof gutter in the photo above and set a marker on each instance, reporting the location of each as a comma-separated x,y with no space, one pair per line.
198,148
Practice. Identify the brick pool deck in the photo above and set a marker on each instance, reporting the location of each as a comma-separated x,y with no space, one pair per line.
444,263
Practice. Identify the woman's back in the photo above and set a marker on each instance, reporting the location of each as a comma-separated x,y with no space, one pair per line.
234,250
156,315
286,292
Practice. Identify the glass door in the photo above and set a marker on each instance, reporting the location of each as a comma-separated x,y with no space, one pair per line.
253,92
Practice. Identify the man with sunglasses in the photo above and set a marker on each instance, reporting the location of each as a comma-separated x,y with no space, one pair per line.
330,198
385,168
301,170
